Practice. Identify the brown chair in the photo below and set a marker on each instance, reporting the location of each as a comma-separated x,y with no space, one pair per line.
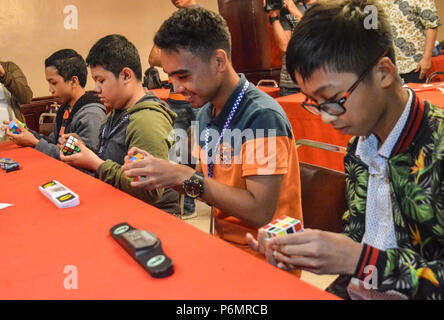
322,193
32,111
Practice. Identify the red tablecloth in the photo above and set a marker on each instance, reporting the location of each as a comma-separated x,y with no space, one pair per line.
308,126
38,241
433,92
273,92
161,93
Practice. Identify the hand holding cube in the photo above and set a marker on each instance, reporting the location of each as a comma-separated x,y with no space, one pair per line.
135,158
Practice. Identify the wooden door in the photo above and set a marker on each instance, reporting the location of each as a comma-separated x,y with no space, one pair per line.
254,51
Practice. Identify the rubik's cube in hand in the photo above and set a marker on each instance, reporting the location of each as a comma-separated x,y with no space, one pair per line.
135,158
14,126
69,148
281,227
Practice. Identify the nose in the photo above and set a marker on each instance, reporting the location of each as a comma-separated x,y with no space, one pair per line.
97,89
178,88
328,118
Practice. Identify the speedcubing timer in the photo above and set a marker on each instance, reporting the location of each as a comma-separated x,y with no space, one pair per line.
281,227
14,126
8,164
69,148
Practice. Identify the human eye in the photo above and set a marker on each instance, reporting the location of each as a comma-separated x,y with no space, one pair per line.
333,98
311,100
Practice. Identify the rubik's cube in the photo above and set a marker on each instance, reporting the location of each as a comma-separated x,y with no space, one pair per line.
135,158
15,126
281,227
69,148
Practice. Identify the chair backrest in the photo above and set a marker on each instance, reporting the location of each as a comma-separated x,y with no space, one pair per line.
32,111
323,197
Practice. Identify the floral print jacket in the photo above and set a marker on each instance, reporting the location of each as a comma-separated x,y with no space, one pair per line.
416,170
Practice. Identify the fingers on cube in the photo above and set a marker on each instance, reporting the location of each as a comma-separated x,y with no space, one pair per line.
135,158
69,148
14,127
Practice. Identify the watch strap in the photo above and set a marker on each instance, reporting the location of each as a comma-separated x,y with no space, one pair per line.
272,19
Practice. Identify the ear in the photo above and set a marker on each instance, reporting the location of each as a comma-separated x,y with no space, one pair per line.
221,60
126,74
74,81
386,72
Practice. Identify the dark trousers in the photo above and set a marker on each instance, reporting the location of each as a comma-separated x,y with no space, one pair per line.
181,152
412,77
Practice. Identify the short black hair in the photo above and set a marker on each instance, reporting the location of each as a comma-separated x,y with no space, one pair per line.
335,35
68,64
113,53
197,30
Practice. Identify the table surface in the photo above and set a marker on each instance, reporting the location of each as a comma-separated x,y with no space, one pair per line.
433,92
40,240
161,93
271,91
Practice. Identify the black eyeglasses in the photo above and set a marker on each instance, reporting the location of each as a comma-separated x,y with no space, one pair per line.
336,108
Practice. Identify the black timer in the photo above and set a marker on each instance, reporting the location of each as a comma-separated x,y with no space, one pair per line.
145,247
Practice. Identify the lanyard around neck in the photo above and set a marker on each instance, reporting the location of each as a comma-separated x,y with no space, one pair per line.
104,137
210,164
64,122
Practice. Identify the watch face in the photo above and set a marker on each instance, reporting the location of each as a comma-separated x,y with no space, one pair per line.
192,190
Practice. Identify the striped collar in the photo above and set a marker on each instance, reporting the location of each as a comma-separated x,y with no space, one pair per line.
412,126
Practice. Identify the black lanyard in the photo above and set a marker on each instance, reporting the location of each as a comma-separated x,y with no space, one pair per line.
113,130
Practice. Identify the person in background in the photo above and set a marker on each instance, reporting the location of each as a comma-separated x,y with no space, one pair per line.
283,23
14,90
414,28
81,112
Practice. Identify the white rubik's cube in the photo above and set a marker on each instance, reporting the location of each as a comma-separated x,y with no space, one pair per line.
69,148
281,227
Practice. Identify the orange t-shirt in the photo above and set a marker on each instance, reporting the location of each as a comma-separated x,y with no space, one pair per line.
259,142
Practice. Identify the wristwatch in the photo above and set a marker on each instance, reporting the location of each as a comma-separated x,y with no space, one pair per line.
194,186
272,19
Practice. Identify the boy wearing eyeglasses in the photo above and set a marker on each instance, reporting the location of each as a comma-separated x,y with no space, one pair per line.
392,244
